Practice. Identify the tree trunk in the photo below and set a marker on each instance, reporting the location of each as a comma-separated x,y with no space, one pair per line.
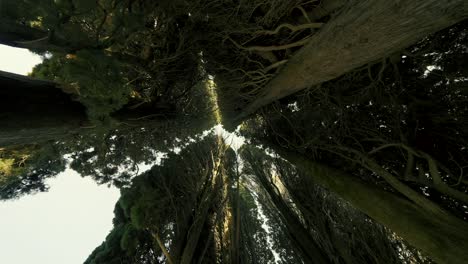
364,31
300,237
308,248
442,237
33,110
208,198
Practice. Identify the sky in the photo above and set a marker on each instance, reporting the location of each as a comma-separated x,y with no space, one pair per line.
63,225
20,61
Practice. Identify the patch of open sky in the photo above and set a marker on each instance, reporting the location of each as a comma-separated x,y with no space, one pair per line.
63,225
232,139
19,61
266,227
461,79
430,68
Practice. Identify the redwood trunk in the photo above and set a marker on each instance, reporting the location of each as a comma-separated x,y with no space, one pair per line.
364,31
33,110
308,248
442,237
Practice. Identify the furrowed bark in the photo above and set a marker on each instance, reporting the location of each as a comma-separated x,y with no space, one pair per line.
363,31
442,237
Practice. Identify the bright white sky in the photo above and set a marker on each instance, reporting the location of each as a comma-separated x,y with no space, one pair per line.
63,225
20,61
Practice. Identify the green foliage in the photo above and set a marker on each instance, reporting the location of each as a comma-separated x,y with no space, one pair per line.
50,68
110,250
84,5
162,200
99,80
141,59
95,79
25,10
124,244
112,55
28,169
129,241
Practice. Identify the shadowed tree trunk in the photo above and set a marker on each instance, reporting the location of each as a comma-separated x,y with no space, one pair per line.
363,31
34,111
441,236
300,237
308,248
195,231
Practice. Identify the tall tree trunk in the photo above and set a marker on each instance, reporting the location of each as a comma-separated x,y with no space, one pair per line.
442,237
364,31
34,111
208,199
308,248
300,237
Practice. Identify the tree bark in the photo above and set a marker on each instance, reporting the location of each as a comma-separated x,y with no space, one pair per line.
162,247
201,215
364,31
35,111
308,248
442,237
300,237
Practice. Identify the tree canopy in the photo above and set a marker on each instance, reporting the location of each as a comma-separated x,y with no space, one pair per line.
352,115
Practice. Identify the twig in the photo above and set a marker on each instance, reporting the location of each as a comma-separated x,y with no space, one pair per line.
304,13
275,65
144,117
163,248
301,42
31,41
291,27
